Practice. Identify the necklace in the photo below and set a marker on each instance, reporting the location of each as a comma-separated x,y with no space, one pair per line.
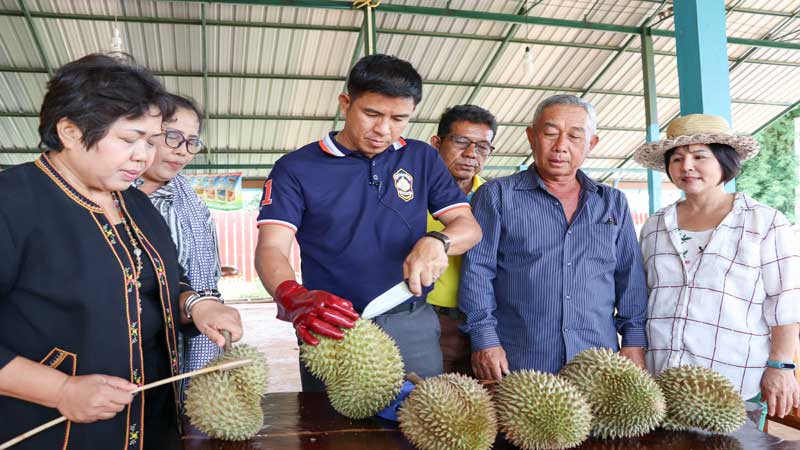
137,252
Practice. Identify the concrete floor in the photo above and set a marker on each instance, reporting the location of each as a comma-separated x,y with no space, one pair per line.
277,340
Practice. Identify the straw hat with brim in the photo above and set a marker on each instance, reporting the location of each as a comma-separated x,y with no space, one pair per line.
694,129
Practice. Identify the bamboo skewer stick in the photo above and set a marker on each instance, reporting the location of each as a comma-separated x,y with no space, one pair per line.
225,366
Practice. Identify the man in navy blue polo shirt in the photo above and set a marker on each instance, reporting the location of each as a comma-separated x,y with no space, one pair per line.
357,202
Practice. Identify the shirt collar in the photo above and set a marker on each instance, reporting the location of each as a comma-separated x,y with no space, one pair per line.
477,182
329,145
532,180
165,191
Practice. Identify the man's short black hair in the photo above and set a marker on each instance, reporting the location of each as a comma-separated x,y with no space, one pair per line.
729,161
189,104
466,113
94,92
386,75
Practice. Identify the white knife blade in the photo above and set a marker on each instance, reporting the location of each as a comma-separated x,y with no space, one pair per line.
393,296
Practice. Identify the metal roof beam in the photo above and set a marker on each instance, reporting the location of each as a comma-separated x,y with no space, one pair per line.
36,38
764,12
176,21
490,16
496,57
464,14
621,50
320,119
204,41
353,59
245,24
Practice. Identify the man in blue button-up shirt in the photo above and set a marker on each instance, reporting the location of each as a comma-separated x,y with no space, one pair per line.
559,269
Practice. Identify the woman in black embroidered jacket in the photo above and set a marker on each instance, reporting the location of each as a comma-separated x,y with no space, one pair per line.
91,292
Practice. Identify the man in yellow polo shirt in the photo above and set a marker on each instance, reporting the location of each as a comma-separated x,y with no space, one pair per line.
464,140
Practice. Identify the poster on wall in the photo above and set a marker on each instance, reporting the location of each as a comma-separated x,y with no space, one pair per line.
219,191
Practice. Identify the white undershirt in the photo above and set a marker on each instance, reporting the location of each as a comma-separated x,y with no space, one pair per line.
692,245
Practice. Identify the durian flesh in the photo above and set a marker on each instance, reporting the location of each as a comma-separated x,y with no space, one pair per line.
699,397
625,400
449,412
363,372
541,411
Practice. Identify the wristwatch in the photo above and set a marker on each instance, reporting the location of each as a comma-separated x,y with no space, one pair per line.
441,237
781,365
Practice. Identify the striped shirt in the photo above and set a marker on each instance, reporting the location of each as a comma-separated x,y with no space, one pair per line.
719,314
195,238
544,289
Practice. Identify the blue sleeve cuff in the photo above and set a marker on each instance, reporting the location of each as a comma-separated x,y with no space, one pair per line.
483,338
390,412
634,337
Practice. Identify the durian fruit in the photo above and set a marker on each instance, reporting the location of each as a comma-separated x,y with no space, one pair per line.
541,410
699,397
448,412
251,380
215,405
625,400
363,372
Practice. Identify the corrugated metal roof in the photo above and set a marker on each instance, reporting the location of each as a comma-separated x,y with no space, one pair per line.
270,65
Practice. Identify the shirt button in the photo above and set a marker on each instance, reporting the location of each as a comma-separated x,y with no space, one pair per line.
569,264
373,163
569,232
568,297
374,177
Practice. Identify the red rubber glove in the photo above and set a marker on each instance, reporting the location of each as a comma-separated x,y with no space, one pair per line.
317,311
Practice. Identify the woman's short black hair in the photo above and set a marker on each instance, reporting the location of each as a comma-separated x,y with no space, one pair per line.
465,113
386,75
94,92
189,104
729,161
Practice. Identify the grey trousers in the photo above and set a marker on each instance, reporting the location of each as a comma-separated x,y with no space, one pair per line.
415,329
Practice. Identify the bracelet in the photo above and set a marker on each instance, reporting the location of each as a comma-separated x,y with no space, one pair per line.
781,365
208,294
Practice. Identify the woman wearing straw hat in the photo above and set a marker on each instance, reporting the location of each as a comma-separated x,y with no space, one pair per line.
723,270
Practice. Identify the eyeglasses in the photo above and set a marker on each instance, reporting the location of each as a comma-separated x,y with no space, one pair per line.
462,143
175,139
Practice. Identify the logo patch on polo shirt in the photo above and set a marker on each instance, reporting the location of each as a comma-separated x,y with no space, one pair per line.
404,184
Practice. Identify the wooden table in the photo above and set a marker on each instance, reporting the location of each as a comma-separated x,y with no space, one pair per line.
295,421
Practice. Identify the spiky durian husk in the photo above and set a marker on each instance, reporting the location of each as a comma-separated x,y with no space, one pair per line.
540,410
251,380
363,372
699,397
625,400
449,412
216,406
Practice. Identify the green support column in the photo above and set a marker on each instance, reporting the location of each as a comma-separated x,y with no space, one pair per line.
701,45
651,116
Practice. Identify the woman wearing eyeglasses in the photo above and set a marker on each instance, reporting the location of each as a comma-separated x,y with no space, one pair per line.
188,218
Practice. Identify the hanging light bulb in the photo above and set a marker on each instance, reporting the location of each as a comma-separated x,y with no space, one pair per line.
116,47
529,67
116,41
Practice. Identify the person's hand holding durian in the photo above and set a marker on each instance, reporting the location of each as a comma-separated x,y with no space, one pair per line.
317,311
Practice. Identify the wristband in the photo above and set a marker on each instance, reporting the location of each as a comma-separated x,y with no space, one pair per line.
208,294
781,365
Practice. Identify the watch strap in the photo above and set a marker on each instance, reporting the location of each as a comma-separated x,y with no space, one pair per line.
441,237
781,364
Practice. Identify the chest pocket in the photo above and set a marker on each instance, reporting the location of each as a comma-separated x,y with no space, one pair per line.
596,245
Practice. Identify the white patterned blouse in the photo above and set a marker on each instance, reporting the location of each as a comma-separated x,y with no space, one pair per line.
718,315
